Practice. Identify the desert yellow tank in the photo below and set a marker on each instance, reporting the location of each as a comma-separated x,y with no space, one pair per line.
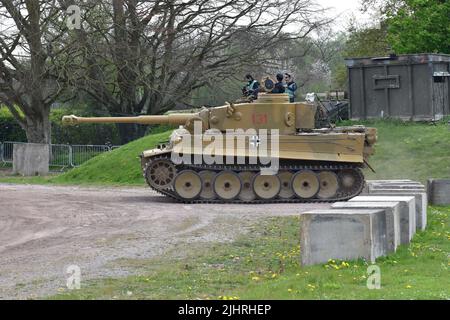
267,150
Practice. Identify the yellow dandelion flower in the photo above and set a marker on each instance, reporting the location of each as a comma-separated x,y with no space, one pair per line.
408,287
274,275
289,290
255,278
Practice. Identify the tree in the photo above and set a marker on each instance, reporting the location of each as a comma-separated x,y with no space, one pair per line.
145,56
414,26
28,78
366,41
420,26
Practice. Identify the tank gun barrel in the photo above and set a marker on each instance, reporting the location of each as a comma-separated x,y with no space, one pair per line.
171,119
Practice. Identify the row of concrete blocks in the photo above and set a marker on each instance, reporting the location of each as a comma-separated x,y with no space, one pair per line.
387,214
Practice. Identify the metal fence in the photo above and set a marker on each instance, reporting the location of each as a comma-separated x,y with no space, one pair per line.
61,155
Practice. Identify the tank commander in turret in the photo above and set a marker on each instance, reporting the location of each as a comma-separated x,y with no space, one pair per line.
291,87
279,86
251,89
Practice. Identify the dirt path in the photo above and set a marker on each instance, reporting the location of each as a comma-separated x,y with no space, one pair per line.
44,229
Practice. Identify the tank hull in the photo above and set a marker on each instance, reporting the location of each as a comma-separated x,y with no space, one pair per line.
309,167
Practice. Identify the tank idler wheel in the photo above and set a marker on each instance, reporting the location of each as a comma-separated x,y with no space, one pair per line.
266,187
286,189
160,173
207,184
329,185
227,185
305,184
247,193
349,181
188,184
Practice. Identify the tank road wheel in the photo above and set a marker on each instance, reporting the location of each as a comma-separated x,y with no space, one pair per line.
351,181
227,185
247,193
207,184
286,190
266,187
188,184
305,184
329,185
160,173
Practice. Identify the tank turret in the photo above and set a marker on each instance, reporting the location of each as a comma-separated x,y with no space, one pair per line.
223,154
269,111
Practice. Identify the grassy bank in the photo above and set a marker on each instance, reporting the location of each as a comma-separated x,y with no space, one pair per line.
264,264
118,167
407,150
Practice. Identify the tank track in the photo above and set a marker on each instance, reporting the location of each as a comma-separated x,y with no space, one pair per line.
336,167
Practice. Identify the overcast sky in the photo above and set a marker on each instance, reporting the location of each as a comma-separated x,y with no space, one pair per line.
345,9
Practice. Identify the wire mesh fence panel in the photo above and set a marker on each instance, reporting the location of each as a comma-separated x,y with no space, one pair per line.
60,155
8,150
82,153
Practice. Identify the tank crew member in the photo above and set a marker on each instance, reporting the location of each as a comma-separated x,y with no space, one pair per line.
279,86
291,87
252,87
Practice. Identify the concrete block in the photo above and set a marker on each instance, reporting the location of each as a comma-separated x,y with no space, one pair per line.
421,202
30,159
439,191
344,234
392,216
389,181
392,184
397,186
407,212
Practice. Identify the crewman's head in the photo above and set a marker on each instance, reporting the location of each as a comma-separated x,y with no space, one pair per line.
249,77
280,77
287,77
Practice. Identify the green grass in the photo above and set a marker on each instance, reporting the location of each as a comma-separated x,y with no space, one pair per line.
264,264
118,167
407,150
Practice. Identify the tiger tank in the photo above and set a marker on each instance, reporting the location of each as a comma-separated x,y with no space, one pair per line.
263,151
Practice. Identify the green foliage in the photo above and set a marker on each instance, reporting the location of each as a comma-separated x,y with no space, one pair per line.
339,76
420,26
264,264
86,133
9,128
366,42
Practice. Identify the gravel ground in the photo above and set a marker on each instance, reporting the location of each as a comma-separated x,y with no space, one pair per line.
45,229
